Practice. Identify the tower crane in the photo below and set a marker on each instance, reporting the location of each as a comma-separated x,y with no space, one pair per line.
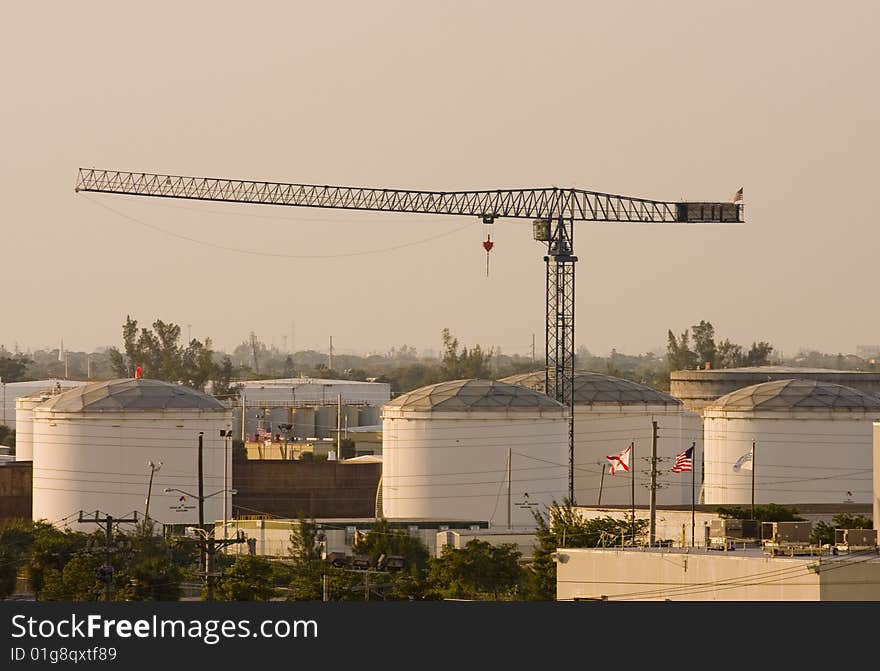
552,210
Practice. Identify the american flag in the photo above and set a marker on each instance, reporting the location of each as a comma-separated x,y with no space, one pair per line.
684,462
738,196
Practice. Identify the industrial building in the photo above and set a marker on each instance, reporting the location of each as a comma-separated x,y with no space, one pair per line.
473,449
92,446
611,413
812,444
699,388
282,419
671,574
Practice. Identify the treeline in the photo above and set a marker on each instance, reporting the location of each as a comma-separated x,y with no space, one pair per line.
706,353
163,355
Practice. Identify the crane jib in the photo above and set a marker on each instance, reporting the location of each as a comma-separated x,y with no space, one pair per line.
535,203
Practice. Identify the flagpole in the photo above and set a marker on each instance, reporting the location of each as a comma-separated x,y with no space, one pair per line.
693,492
632,460
753,479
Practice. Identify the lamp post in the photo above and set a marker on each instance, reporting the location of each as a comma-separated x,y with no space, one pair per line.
153,469
226,434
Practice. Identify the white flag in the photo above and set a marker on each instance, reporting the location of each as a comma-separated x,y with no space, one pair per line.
744,463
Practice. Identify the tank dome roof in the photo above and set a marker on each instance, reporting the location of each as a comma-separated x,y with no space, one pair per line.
131,394
598,388
460,395
796,394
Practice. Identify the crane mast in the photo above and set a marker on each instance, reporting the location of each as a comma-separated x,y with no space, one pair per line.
553,211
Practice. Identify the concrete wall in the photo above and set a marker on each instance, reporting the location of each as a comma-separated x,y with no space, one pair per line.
16,487
716,576
315,489
671,524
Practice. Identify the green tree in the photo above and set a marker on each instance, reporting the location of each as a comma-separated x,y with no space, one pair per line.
824,533
385,540
466,364
477,571
678,352
16,537
729,355
149,571
704,343
75,581
759,354
249,579
565,527
159,351
12,368
306,562
51,550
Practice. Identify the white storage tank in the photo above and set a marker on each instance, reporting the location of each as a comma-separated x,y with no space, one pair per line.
24,422
445,453
812,439
610,414
92,445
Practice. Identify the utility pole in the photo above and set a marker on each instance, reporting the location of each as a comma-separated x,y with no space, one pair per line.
202,563
533,347
330,359
105,572
243,411
509,457
652,532
601,483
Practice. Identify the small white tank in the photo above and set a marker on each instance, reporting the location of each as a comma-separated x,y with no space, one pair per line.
24,422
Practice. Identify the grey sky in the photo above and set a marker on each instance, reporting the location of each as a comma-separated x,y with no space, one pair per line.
664,100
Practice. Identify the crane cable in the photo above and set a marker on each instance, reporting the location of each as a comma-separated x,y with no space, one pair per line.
273,254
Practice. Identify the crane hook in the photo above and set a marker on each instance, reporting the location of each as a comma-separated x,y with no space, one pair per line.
487,245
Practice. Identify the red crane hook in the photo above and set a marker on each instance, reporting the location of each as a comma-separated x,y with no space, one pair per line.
487,245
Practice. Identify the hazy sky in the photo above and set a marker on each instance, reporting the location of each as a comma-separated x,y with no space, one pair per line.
663,100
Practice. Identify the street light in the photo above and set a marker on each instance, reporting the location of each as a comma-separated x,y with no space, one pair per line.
153,469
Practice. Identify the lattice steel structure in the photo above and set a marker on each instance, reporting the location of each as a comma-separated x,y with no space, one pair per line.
554,211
